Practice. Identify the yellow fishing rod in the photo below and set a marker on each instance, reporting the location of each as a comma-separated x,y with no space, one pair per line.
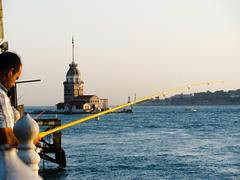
161,94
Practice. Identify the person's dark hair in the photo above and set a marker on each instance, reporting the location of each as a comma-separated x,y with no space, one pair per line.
9,60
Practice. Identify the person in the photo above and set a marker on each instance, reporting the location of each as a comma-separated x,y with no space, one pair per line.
11,167
10,71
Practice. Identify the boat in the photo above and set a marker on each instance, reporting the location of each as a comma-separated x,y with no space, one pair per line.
128,109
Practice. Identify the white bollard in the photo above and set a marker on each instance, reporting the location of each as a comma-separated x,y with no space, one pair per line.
12,168
26,130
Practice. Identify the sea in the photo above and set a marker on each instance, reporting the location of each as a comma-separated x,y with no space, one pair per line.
153,142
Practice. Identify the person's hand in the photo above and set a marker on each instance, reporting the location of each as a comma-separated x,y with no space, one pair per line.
36,140
16,114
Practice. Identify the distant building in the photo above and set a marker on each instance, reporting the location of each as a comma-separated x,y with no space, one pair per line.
74,98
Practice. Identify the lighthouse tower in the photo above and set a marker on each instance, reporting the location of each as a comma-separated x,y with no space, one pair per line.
74,99
73,85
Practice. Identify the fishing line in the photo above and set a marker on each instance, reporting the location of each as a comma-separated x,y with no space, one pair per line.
160,94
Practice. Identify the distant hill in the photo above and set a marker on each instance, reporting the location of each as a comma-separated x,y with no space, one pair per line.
231,97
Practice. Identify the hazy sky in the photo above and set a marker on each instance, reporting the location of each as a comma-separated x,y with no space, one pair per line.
123,47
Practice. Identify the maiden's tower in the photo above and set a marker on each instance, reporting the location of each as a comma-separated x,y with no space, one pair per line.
74,99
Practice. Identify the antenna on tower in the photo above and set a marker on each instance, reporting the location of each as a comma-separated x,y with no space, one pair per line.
72,49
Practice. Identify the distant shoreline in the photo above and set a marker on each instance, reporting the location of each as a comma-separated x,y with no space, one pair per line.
143,104
187,105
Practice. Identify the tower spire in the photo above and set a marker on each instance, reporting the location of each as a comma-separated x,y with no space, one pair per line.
73,50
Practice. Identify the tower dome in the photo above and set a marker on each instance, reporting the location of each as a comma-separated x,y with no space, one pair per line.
73,70
73,86
73,74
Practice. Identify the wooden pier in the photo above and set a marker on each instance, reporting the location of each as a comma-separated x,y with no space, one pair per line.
50,148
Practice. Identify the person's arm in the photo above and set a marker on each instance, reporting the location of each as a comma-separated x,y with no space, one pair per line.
7,137
16,114
6,122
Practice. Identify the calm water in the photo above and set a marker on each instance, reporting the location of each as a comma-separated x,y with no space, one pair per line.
154,143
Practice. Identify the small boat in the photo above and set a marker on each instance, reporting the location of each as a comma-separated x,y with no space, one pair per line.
190,110
127,109
124,111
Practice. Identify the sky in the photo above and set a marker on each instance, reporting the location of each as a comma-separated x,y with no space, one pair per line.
123,47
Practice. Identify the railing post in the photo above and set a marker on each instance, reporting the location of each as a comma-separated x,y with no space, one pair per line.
12,168
26,130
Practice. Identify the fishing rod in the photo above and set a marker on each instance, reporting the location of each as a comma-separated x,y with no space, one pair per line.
161,94
28,81
40,114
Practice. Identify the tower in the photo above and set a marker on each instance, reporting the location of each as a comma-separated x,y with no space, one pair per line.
73,86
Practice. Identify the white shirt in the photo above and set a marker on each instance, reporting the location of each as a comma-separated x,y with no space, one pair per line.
6,111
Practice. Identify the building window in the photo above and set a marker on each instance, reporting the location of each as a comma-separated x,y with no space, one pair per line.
78,107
